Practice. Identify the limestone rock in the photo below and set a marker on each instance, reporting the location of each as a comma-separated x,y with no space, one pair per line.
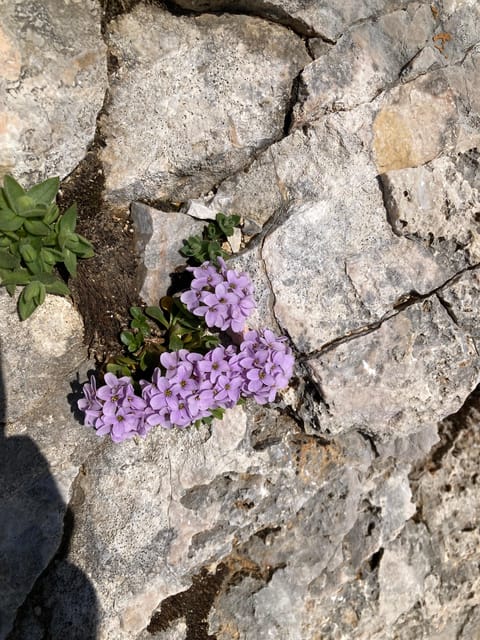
301,512
407,126
321,162
430,561
255,196
415,369
39,351
448,499
52,85
363,62
401,577
159,237
252,262
329,290
461,300
197,209
438,203
174,512
212,90
422,119
327,19
41,443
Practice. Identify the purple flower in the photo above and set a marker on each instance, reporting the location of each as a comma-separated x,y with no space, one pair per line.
222,296
267,365
182,382
89,404
169,361
206,275
114,409
123,425
191,298
187,387
200,402
214,312
214,364
228,390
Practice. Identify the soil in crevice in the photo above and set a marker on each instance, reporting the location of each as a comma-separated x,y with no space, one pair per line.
106,285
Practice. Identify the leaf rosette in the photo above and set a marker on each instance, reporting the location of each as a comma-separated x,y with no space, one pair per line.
34,239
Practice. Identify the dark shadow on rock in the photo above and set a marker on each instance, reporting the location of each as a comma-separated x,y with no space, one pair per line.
34,525
76,394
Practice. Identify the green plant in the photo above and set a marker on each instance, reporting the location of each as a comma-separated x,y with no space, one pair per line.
171,326
34,239
154,330
209,245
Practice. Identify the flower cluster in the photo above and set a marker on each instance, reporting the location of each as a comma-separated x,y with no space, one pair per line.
223,297
193,386
189,387
114,409
267,365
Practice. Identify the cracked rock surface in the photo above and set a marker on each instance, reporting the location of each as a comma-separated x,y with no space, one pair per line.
346,135
192,99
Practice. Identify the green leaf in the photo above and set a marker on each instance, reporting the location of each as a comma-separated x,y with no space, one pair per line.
166,303
16,277
141,324
70,260
12,191
214,250
127,338
31,291
11,235
31,297
227,223
28,252
62,239
46,191
10,289
36,227
24,203
157,314
41,294
217,413
26,308
72,243
193,246
51,214
46,278
34,212
35,267
53,284
136,312
8,261
211,342
9,221
68,221
3,200
212,232
51,256
119,370
175,343
57,288
79,245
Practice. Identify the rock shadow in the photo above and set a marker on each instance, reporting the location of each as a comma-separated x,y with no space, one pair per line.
40,596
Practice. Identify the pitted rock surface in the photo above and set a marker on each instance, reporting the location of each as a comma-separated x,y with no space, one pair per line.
224,93
52,85
346,136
